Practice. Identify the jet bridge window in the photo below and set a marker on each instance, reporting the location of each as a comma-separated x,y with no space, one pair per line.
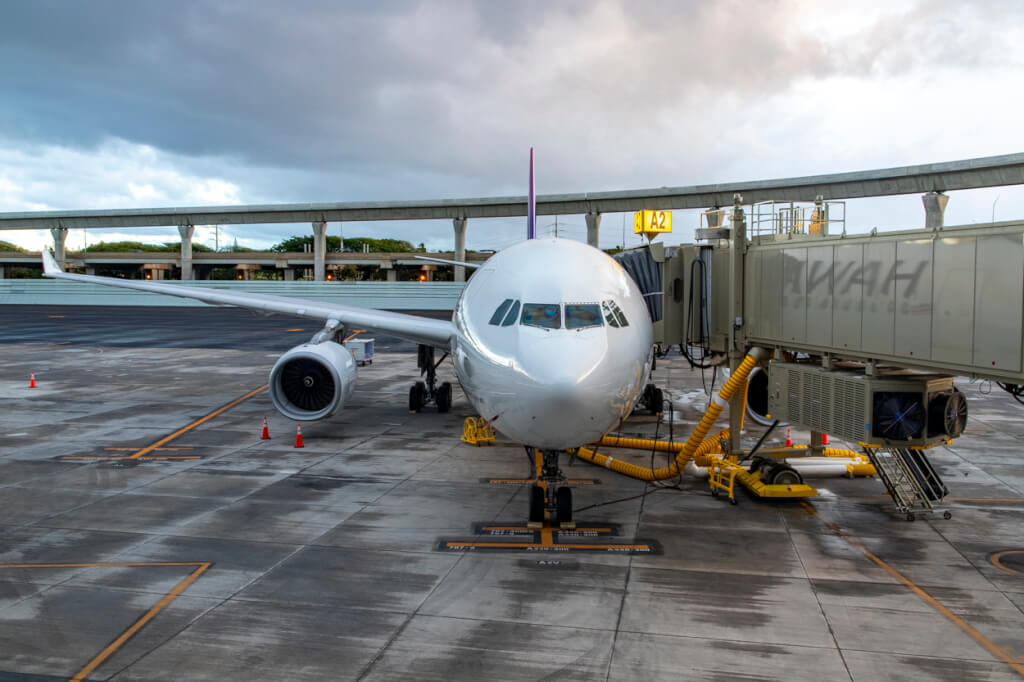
613,315
582,315
543,315
506,314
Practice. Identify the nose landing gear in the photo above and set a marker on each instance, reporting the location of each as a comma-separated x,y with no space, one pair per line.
429,391
550,494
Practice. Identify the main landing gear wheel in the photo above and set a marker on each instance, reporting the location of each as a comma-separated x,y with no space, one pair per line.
427,391
653,399
417,396
563,504
444,397
536,504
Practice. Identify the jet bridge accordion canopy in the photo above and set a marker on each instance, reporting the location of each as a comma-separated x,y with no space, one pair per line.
646,272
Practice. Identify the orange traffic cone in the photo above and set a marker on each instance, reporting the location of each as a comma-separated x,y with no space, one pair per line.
298,436
789,438
31,380
824,439
266,431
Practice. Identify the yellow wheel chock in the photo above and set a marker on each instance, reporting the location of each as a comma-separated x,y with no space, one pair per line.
476,431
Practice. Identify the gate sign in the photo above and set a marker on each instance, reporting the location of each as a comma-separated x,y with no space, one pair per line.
651,223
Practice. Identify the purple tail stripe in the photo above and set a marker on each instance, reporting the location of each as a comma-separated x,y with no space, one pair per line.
531,211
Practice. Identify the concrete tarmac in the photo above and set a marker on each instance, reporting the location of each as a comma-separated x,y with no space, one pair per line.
217,555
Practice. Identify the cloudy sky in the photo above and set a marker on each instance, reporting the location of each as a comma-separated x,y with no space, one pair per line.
138,104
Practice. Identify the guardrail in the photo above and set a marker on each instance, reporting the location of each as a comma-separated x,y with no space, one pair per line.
384,295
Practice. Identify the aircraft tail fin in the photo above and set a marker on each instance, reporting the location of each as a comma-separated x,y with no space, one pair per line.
531,210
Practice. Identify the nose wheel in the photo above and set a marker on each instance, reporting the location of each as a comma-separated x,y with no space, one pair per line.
550,496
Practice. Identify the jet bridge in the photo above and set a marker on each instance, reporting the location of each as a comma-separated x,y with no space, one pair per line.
867,330
942,300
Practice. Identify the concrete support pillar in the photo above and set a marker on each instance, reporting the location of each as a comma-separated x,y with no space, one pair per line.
593,227
60,236
320,251
186,232
392,275
289,274
934,209
3,271
90,270
460,247
817,446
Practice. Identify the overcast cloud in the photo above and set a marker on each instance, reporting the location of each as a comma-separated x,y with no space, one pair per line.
131,104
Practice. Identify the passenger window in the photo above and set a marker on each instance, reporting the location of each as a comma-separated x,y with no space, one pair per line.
582,315
613,315
544,315
499,314
512,316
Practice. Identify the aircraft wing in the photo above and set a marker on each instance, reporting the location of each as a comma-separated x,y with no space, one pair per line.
411,327
463,263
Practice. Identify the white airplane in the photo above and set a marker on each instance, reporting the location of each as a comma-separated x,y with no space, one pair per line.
551,342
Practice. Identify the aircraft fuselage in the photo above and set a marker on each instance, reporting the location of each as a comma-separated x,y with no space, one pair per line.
553,343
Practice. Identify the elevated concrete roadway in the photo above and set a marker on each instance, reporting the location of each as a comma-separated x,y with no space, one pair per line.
937,177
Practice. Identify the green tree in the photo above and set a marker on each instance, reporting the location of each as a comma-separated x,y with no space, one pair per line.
123,247
298,244
7,246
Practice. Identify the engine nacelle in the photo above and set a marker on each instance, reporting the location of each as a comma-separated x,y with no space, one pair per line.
312,381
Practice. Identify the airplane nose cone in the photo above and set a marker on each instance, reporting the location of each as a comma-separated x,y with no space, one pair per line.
570,401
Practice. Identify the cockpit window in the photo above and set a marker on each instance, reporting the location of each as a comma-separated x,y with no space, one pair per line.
582,315
512,316
613,314
544,315
499,314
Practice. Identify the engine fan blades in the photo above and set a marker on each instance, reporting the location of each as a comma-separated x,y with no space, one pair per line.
307,384
899,416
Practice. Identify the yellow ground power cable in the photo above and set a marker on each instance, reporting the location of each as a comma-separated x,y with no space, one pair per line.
696,440
695,448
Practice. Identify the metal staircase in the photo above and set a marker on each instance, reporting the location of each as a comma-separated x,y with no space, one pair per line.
911,480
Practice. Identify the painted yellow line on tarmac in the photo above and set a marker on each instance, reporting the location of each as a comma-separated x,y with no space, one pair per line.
183,447
354,334
981,639
200,568
997,560
92,458
137,625
150,448
524,529
535,545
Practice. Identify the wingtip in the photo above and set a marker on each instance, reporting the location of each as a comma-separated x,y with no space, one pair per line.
50,266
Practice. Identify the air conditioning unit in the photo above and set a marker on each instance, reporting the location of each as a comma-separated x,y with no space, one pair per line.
896,408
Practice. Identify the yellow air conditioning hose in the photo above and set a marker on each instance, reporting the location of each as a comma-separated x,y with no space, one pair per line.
694,443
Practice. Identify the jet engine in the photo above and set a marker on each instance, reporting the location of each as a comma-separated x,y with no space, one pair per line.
312,381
